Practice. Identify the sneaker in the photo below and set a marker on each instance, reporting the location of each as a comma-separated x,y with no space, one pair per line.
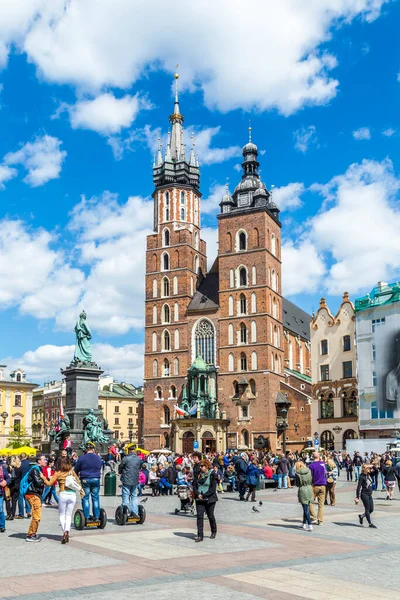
2,530
373,526
304,526
360,518
309,527
29,515
314,522
20,517
133,516
33,538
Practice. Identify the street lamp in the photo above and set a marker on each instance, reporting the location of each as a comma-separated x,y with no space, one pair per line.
4,416
282,407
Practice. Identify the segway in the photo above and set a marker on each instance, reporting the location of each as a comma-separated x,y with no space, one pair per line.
80,521
123,515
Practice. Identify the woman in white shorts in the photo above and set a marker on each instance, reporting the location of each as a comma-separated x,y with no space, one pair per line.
67,495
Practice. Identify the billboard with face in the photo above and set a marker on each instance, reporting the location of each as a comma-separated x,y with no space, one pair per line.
378,358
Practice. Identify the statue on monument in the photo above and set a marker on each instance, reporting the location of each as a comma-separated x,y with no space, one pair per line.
61,431
92,430
83,349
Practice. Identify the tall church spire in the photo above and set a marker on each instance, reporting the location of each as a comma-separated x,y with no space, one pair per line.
176,167
176,119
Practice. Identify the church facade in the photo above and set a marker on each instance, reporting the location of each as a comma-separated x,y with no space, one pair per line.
214,341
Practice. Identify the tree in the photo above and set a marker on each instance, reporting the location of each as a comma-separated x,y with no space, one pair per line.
18,437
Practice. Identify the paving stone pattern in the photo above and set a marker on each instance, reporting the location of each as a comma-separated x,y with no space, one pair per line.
261,554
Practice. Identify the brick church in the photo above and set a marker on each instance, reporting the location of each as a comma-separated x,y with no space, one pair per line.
221,346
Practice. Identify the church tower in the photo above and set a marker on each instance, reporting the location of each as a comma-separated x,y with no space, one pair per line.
175,264
251,358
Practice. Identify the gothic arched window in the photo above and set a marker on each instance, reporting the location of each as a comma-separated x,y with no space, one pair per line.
167,341
243,333
204,341
166,261
242,240
166,368
243,362
242,276
166,237
166,287
167,416
256,238
166,314
167,206
243,304
229,242
155,368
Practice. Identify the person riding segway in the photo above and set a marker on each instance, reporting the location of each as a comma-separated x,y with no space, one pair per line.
130,511
88,467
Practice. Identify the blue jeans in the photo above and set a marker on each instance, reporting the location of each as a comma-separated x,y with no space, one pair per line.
2,515
282,477
91,487
129,498
50,492
383,481
140,488
306,514
357,470
23,502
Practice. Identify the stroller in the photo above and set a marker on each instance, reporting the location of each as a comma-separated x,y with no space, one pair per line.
186,497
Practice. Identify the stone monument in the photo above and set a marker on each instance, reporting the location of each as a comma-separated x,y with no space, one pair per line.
86,422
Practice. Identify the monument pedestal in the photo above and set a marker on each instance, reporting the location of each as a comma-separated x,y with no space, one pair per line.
82,394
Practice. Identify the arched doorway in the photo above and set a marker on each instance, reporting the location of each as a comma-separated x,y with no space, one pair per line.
349,434
209,443
327,440
187,442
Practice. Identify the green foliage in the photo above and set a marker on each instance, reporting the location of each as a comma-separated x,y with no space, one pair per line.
18,437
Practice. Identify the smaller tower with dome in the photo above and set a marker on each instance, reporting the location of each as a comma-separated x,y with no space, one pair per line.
250,193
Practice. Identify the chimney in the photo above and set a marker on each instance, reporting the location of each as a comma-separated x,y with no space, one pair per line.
2,367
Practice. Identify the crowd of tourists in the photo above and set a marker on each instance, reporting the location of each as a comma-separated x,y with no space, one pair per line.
28,487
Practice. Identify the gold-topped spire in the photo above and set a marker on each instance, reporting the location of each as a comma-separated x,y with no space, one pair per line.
250,130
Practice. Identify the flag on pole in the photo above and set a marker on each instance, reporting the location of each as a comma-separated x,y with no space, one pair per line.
61,409
180,411
193,410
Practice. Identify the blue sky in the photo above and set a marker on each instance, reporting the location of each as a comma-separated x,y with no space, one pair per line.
82,106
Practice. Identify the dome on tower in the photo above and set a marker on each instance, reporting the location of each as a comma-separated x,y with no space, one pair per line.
250,148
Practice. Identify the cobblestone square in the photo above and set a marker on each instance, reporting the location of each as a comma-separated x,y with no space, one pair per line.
261,554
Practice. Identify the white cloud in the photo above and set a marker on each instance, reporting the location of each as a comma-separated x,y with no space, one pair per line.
203,138
288,197
124,363
302,268
106,114
304,137
389,132
210,204
6,173
210,236
84,43
26,260
363,133
355,235
113,247
42,158
208,155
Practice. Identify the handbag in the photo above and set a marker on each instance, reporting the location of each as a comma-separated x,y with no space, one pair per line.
7,493
330,480
72,484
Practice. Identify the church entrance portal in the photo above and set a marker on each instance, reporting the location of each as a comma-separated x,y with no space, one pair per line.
187,442
209,443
